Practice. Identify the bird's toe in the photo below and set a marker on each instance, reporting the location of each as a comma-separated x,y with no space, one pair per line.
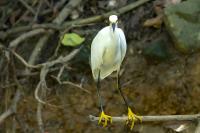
132,118
104,119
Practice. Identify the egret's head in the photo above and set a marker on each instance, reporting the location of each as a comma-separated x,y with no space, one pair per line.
113,21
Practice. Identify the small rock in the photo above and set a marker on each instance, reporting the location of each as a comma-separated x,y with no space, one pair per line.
157,50
183,23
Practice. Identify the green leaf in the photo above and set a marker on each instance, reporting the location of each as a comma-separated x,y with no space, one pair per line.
72,39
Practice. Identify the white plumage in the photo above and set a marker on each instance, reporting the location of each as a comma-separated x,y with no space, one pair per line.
108,50
107,53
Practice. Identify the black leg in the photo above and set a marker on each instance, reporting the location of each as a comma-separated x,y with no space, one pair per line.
131,116
98,91
120,90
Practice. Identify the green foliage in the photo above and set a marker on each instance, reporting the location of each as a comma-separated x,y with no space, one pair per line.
72,39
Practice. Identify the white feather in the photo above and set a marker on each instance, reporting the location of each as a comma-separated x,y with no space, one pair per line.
108,50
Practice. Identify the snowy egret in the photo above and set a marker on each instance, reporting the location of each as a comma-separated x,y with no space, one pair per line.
108,50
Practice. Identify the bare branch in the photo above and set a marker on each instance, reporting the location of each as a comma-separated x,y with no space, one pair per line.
106,15
25,127
38,11
76,85
58,20
45,69
82,22
198,127
60,59
159,118
27,28
60,73
25,36
37,92
12,109
39,117
27,6
23,61
66,11
59,4
35,54
70,83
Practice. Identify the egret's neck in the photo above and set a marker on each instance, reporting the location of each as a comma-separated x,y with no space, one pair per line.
111,28
113,32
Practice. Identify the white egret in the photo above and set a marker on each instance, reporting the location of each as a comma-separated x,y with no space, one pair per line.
108,50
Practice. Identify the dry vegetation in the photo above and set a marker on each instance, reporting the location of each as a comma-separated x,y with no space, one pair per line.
46,87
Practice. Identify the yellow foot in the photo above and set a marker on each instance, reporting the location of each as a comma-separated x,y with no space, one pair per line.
132,118
104,119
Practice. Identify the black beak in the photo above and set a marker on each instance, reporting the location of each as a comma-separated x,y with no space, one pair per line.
113,26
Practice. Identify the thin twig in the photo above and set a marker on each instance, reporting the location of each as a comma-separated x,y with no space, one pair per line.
159,118
27,28
59,60
42,87
13,125
59,4
45,69
58,20
12,109
73,23
25,36
39,117
76,85
68,82
24,126
23,61
38,48
60,73
198,127
38,11
27,6
71,83
37,92
55,8
66,11
106,15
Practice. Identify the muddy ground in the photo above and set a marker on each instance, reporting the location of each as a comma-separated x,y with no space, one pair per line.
152,87
168,87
